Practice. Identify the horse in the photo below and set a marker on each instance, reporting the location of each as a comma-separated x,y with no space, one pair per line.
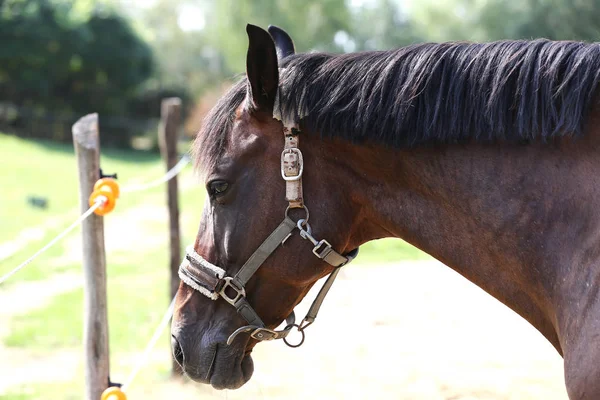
484,155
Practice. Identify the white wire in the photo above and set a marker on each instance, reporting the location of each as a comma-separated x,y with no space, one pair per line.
144,357
79,220
167,177
132,188
129,189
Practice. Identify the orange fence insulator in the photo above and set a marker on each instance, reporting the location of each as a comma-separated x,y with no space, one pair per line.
111,183
113,393
108,190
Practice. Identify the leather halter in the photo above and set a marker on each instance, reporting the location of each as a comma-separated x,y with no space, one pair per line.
211,280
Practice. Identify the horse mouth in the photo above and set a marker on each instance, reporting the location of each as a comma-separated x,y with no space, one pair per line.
226,370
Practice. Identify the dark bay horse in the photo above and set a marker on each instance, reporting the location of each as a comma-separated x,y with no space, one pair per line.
485,156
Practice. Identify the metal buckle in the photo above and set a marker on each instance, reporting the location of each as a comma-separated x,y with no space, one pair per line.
296,151
324,252
263,334
239,292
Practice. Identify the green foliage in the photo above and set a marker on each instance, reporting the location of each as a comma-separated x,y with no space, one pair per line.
216,47
485,20
552,19
311,23
66,57
120,58
184,58
393,27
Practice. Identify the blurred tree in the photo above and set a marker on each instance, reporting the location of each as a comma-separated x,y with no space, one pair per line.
70,56
185,60
312,24
198,43
484,20
552,19
381,25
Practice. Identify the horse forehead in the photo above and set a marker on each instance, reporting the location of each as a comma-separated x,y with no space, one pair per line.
251,137
244,138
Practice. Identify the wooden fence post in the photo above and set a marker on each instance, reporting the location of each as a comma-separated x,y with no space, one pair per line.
170,115
95,326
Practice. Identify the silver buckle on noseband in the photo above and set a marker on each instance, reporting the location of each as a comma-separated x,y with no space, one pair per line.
239,293
261,333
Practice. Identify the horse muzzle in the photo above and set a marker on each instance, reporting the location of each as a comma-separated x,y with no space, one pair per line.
220,365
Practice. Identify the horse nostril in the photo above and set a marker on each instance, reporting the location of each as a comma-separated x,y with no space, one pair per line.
177,351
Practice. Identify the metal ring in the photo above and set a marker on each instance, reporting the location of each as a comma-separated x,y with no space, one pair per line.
301,340
305,210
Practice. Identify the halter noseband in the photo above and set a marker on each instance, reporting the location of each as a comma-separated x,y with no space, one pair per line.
211,280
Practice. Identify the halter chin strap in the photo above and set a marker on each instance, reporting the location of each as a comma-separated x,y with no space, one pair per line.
211,280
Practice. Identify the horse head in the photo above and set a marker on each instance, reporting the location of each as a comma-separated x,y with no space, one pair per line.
224,307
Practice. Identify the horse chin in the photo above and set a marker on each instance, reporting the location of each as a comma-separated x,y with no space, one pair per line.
234,376
227,371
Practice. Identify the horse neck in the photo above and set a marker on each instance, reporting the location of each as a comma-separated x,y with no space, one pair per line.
481,210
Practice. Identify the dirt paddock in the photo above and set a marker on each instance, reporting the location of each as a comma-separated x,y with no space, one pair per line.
412,330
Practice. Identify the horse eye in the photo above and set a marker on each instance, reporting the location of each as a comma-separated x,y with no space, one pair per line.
216,188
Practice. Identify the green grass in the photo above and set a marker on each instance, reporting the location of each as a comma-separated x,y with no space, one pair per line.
49,170
134,308
46,169
45,391
137,277
389,250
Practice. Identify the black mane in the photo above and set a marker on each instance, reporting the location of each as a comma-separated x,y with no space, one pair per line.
439,93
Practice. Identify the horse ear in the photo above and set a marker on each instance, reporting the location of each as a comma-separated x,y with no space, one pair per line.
262,69
283,42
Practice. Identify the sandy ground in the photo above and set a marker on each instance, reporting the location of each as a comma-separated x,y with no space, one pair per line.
427,334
